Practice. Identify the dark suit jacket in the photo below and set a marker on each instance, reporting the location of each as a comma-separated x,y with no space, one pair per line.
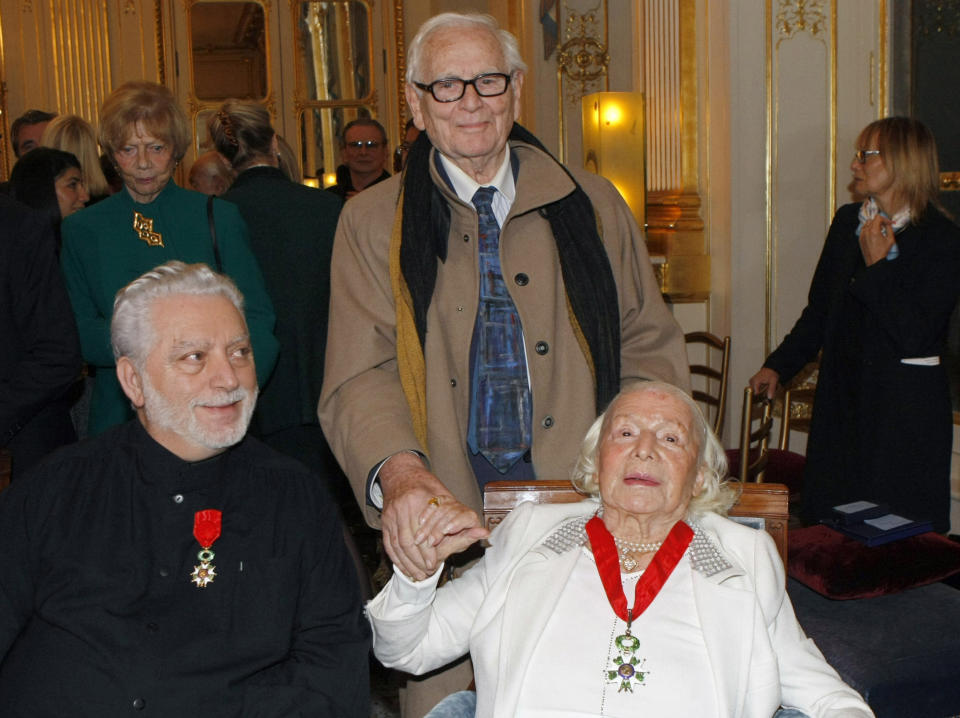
40,358
882,429
291,234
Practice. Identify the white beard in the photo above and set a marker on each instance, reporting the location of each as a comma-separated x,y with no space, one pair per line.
182,420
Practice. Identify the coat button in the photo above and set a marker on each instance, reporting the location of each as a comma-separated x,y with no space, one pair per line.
466,238
541,348
178,498
153,627
453,382
547,422
522,279
139,704
164,572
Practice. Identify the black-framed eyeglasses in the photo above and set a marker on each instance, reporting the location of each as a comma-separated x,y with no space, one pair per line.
862,155
369,144
451,89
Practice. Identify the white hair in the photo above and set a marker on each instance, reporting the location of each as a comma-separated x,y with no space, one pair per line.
470,21
716,494
131,329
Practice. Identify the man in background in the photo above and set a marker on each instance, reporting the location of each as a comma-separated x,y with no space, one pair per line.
364,146
26,130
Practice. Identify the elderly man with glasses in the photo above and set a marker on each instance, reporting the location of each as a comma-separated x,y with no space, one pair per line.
364,147
485,305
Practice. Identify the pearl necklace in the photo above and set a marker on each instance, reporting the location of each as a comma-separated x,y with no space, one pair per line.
625,548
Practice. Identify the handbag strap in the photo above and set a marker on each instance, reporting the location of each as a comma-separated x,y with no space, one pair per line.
213,233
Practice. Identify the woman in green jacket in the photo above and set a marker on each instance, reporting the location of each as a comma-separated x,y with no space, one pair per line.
145,133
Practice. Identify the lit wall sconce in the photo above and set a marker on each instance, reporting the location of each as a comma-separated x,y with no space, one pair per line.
613,144
329,179
311,182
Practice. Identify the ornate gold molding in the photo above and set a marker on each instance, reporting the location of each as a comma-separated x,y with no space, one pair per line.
158,39
675,227
800,16
401,59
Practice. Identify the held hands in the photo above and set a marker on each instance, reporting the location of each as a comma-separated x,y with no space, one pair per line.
422,523
765,381
876,239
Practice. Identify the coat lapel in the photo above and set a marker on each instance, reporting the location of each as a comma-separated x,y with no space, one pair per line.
544,575
726,617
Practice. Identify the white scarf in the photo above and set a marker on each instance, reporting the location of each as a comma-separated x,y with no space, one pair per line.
869,210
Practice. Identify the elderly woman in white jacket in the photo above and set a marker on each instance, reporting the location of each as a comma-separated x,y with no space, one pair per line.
644,600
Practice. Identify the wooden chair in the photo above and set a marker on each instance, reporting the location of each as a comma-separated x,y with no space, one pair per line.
797,412
756,426
764,502
715,402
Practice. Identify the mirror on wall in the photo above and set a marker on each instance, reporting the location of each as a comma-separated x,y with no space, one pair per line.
334,50
335,81
228,50
320,130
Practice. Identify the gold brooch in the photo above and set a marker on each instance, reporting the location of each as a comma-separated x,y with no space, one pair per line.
144,229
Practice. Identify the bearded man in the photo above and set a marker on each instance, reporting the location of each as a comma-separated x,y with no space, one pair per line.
171,564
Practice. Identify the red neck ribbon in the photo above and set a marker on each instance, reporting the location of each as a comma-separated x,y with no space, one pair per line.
206,527
653,578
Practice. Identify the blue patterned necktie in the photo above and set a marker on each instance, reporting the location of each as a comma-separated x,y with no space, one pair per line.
500,408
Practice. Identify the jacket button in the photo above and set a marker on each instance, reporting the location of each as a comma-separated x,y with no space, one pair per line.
522,279
164,572
547,422
178,498
153,627
541,348
453,382
139,704
466,238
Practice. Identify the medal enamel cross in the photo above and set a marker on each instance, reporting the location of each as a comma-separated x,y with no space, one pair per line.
206,529
626,665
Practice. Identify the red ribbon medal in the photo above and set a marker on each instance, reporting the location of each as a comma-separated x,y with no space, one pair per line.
206,530
656,574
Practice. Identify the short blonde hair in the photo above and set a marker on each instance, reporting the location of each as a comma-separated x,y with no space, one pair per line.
716,495
73,134
152,105
909,152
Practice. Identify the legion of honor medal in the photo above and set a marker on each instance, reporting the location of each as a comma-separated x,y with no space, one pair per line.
625,665
206,529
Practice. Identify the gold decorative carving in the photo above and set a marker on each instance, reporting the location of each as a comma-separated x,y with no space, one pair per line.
401,58
582,58
950,181
798,16
27,6
159,41
129,8
271,104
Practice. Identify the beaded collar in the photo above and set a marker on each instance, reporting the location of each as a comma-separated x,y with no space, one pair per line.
705,556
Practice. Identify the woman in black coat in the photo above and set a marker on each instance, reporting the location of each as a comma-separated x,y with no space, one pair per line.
879,305
291,234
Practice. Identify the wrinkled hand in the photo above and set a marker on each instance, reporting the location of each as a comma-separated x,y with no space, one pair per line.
765,381
876,239
419,536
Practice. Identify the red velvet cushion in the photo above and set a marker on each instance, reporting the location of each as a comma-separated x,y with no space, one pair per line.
783,467
840,567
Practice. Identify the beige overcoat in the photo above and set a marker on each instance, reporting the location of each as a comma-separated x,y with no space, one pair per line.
362,408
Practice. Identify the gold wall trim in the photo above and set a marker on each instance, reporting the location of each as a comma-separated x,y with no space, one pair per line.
674,223
834,119
399,39
768,177
158,39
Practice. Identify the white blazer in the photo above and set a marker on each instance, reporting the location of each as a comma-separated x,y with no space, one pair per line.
498,609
